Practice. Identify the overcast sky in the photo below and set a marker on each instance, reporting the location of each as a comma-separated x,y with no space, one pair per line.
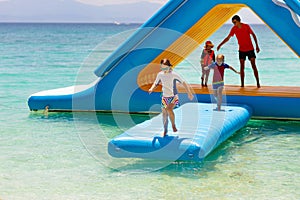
89,11
247,15
113,2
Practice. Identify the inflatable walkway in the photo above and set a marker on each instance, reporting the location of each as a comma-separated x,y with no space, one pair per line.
172,33
200,131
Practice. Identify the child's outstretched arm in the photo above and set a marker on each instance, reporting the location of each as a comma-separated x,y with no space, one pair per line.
234,70
152,88
209,66
154,85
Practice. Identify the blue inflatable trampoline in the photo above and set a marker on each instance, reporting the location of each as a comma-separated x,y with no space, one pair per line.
200,130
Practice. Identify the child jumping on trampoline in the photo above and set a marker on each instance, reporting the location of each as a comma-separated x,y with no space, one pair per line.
168,78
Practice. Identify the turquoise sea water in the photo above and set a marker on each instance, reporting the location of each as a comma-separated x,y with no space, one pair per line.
63,155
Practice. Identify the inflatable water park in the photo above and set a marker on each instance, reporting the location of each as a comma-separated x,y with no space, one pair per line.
175,31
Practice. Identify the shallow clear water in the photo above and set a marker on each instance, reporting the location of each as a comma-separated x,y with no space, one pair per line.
64,156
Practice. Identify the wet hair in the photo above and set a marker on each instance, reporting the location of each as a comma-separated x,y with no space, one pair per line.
236,17
166,62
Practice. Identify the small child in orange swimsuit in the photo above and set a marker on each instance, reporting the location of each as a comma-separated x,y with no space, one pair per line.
207,57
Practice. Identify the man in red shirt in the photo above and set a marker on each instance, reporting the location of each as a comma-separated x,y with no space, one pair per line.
242,32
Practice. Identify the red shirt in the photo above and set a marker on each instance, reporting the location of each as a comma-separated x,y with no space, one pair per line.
243,36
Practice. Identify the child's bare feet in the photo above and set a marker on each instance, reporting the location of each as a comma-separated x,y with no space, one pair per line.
174,128
165,133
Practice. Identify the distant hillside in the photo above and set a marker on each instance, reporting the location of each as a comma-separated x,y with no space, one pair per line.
73,11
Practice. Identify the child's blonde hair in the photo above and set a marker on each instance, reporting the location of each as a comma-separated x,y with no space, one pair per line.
221,56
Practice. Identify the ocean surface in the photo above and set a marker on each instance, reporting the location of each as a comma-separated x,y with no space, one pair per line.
63,155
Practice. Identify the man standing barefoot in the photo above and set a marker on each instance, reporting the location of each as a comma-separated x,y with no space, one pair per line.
242,32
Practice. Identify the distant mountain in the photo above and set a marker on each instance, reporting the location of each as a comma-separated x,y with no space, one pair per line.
73,11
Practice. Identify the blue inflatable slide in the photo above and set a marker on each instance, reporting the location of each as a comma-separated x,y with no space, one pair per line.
174,32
